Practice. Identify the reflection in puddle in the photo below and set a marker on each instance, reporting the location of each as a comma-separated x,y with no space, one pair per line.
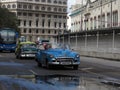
52,82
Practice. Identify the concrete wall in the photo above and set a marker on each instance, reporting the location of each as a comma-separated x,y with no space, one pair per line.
104,48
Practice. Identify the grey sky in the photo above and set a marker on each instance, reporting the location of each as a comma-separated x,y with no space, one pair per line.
71,2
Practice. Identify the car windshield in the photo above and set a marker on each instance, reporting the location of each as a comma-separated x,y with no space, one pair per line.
28,46
60,46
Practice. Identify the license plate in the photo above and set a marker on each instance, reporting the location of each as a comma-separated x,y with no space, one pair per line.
65,63
31,55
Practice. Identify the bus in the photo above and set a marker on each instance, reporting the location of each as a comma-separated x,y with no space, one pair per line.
8,39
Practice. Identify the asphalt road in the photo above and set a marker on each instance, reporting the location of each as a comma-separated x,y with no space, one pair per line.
100,69
9,65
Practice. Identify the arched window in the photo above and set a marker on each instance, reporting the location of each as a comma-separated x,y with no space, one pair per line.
60,2
64,10
37,0
43,31
55,9
55,1
30,30
25,6
30,7
3,6
43,8
49,31
13,6
55,32
59,9
49,1
19,6
37,31
37,7
43,0
49,8
64,3
8,6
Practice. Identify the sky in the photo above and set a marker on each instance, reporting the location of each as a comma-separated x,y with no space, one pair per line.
72,2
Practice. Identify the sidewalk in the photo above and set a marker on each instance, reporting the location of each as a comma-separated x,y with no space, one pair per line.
105,62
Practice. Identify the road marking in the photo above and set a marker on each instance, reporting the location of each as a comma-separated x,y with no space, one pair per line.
33,72
97,74
86,68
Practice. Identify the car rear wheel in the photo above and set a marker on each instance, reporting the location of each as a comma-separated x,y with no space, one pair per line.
38,63
75,67
16,56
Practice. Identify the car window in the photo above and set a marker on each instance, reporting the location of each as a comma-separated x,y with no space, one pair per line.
41,47
28,45
64,46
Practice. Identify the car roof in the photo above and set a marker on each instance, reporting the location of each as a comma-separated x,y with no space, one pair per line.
27,42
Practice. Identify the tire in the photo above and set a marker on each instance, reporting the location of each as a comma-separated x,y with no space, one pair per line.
38,63
75,67
16,56
47,65
19,57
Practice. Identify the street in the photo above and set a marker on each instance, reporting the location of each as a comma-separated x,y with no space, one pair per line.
92,72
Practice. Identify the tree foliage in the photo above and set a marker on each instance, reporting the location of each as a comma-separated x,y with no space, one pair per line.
7,19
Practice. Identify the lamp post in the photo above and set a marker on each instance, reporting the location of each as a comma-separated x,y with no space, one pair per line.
63,37
101,13
69,37
59,32
111,13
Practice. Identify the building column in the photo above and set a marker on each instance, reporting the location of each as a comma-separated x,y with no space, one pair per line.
76,40
86,40
113,40
97,39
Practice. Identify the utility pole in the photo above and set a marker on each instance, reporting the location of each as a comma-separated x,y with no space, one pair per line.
111,13
101,14
81,16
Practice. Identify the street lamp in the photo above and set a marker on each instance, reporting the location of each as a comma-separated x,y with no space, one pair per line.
69,37
59,32
63,36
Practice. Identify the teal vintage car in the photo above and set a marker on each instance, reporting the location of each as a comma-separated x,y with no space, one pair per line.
26,50
56,54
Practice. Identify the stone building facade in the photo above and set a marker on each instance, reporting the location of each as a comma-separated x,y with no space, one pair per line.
95,15
41,19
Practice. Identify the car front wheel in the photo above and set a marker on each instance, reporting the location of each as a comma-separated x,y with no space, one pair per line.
47,65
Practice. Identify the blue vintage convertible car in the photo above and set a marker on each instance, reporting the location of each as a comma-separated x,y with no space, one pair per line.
55,54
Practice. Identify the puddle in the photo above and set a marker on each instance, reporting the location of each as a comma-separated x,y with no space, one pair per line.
52,82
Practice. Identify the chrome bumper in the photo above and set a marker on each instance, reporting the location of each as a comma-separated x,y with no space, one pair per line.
27,55
64,63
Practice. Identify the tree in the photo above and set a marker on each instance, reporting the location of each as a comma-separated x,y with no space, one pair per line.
8,19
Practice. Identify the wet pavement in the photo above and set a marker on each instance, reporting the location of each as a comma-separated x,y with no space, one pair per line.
54,82
26,75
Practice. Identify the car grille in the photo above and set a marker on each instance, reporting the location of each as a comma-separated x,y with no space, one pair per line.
64,59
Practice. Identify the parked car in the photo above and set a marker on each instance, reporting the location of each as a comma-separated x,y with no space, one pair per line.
55,54
26,49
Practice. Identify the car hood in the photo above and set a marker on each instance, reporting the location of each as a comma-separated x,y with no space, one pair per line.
29,49
61,53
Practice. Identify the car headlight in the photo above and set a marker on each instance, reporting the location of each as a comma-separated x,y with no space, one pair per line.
77,55
13,47
1,47
51,56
